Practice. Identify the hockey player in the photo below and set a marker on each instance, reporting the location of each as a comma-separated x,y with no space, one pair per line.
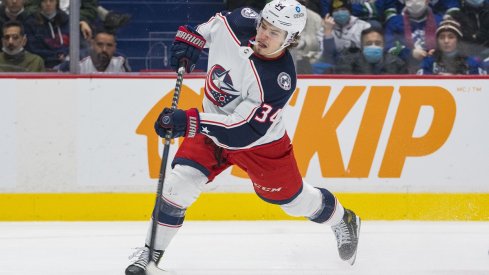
250,78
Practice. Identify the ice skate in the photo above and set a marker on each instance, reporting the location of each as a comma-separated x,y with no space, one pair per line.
347,233
142,260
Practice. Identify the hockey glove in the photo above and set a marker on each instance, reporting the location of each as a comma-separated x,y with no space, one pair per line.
186,48
182,123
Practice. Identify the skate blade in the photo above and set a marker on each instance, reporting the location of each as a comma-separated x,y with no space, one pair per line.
152,269
351,261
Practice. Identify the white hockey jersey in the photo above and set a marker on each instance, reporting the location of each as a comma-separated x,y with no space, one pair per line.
118,64
244,94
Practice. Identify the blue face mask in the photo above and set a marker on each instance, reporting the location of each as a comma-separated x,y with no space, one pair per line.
341,17
475,3
373,54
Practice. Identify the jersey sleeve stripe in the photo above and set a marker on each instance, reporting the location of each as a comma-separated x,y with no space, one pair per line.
223,124
252,65
223,18
208,21
230,125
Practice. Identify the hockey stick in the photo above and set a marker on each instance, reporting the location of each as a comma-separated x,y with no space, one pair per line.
164,160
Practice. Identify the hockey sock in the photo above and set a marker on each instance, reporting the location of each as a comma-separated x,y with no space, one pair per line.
170,219
331,211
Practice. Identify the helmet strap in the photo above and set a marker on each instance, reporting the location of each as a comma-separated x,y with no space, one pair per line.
279,49
285,44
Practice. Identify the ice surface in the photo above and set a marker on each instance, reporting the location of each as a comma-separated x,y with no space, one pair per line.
228,248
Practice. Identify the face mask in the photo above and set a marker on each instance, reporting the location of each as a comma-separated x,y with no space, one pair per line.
341,17
373,54
416,8
12,52
475,3
49,16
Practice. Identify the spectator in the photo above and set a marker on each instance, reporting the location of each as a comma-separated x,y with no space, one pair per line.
88,9
371,58
444,7
48,33
13,10
449,58
91,16
88,18
14,58
341,31
310,43
375,12
411,35
103,57
474,19
440,7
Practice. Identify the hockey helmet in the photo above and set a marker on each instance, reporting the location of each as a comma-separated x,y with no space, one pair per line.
287,15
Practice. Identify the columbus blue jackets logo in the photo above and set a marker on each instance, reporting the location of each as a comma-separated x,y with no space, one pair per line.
219,86
284,81
249,13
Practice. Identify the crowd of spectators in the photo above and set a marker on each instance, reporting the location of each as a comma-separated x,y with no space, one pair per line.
36,36
340,37
401,36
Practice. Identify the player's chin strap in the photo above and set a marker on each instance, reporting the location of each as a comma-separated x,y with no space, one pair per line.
284,45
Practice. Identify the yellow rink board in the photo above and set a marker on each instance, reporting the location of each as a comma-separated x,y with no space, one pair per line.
237,206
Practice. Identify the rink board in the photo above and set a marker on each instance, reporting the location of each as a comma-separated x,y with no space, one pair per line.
83,148
239,206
